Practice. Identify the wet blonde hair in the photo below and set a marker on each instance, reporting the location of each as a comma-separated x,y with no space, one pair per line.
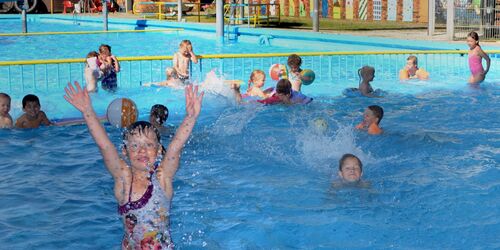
254,74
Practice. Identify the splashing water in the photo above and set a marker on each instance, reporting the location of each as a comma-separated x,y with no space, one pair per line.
323,151
216,85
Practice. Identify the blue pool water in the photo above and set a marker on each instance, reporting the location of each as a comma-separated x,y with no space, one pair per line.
259,177
166,43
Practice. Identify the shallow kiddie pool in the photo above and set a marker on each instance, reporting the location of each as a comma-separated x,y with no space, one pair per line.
259,177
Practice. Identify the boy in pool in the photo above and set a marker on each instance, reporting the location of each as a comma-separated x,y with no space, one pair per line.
350,168
5,118
294,62
157,117
476,54
412,71
371,120
350,172
179,73
142,181
33,117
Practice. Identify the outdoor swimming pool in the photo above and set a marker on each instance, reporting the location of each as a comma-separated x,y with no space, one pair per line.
17,48
259,177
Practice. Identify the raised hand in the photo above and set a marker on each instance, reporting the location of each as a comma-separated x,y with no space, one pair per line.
78,97
193,101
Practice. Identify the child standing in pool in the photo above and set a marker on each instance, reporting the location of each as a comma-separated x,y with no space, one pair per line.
5,118
476,54
143,183
92,71
109,66
294,62
180,70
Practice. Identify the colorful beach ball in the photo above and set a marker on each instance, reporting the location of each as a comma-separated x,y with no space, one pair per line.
277,71
122,112
308,76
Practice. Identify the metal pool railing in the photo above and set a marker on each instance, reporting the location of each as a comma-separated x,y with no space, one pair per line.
52,75
484,18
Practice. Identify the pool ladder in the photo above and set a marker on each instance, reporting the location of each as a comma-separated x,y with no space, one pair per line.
231,31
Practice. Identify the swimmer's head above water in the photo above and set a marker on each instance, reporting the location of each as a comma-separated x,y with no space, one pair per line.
350,168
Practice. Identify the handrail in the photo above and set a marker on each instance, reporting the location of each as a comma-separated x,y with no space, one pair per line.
86,32
258,55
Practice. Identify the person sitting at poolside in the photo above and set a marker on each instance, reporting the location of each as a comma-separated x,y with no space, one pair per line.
5,118
33,117
412,71
283,94
371,120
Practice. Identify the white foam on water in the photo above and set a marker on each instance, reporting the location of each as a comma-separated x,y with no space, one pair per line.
322,150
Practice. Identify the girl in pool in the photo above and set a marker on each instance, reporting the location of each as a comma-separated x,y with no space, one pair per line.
476,54
255,84
143,183
366,75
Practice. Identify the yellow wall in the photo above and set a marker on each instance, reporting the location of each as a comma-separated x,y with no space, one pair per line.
424,11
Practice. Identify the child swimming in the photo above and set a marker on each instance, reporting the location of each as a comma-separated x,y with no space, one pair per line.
372,117
412,71
476,54
5,118
142,182
33,117
179,73
350,168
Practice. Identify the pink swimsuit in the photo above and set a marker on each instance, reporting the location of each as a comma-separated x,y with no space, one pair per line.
475,64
